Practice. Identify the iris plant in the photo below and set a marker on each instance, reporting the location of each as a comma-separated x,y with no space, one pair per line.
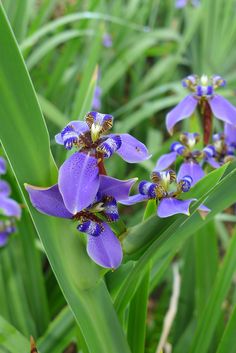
9,208
192,158
102,245
79,174
203,95
165,189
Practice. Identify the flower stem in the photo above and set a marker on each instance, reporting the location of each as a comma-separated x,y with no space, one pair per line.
207,122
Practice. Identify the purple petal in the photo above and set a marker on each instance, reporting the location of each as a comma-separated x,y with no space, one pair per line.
5,189
223,109
171,206
9,207
213,162
180,3
182,111
192,169
3,167
119,189
134,199
132,150
48,201
165,161
230,134
79,127
3,238
78,181
203,211
105,249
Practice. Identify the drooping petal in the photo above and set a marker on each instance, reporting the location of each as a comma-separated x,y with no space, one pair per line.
5,188
230,134
3,166
171,206
213,162
78,181
78,127
3,238
48,201
165,161
119,189
182,111
105,249
132,200
9,207
203,211
132,150
223,109
192,169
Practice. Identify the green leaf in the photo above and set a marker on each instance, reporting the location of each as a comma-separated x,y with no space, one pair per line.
212,311
227,343
11,339
27,148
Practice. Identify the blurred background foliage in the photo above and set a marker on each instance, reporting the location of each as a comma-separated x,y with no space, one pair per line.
154,46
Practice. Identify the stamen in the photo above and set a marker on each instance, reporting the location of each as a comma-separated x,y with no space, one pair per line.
166,177
109,146
189,139
104,121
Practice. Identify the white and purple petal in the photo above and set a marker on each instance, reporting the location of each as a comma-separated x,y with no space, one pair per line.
132,150
223,109
119,189
192,169
165,161
78,181
182,111
105,249
79,127
171,206
48,201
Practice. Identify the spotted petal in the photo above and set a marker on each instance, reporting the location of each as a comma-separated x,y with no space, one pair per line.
171,206
79,127
165,161
78,181
223,109
119,189
5,189
48,201
182,111
132,150
105,249
192,169
9,207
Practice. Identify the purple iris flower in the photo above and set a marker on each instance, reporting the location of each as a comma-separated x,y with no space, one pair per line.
96,104
182,3
79,174
107,40
102,245
224,145
167,191
191,157
202,94
2,166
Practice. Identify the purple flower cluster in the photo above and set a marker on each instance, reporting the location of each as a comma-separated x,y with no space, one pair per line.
84,192
182,3
9,208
